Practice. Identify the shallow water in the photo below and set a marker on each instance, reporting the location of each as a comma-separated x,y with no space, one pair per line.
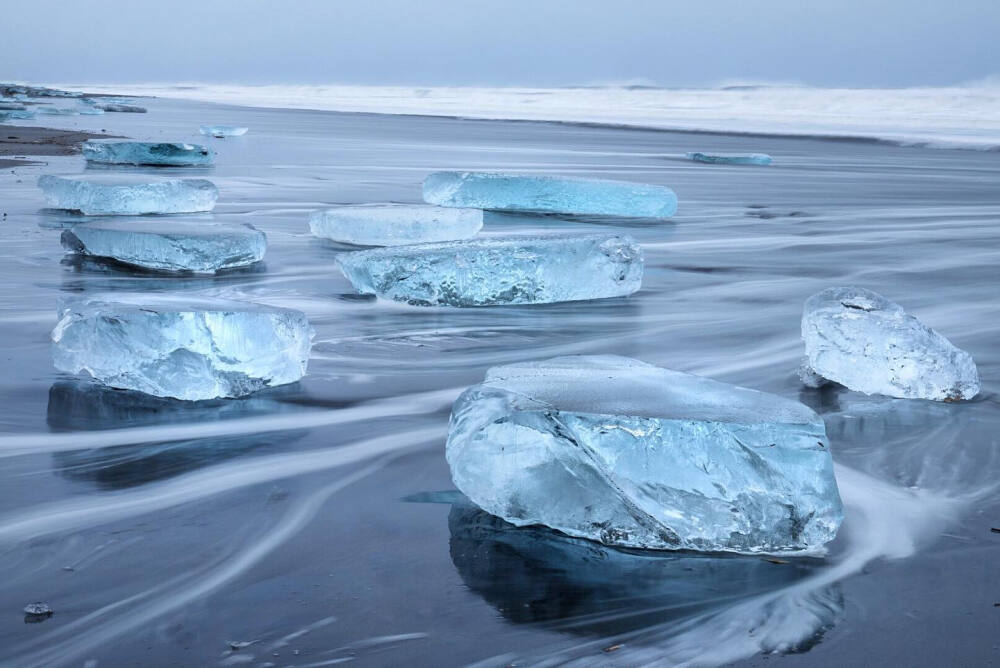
317,519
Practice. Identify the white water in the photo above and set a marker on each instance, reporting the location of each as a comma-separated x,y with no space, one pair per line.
962,116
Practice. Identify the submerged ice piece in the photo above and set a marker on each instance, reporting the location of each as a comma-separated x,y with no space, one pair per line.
622,452
395,224
499,270
223,130
173,154
182,349
512,192
123,108
169,245
732,158
113,194
863,341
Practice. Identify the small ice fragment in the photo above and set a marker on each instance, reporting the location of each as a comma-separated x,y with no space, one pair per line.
38,609
123,108
625,453
513,192
173,154
169,244
16,114
732,158
863,341
395,224
499,270
185,349
223,130
114,194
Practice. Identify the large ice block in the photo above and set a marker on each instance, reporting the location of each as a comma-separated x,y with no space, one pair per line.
515,192
863,341
222,130
732,158
395,224
173,154
499,270
629,454
116,194
186,349
168,244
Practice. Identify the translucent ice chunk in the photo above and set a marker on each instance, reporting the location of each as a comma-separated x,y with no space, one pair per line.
11,106
732,158
173,154
183,349
124,108
395,224
56,111
863,341
483,190
223,130
169,245
114,194
16,114
626,453
90,111
499,270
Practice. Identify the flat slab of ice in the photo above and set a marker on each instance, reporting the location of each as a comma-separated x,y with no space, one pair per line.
394,224
185,349
629,454
732,158
174,154
515,192
860,339
16,114
168,244
222,130
117,194
499,270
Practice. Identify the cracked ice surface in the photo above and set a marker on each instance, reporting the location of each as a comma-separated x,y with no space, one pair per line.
732,158
147,153
185,349
499,270
625,453
394,224
863,341
114,194
170,244
514,192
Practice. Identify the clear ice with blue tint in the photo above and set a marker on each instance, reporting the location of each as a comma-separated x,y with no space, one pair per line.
168,244
628,454
394,224
549,194
863,341
171,154
732,158
499,270
185,349
124,195
56,111
222,130
16,114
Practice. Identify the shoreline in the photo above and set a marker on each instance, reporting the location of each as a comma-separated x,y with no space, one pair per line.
20,143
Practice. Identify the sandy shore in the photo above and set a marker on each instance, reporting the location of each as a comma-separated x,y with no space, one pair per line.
18,143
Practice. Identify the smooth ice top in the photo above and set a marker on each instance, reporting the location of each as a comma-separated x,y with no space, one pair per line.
222,130
609,384
123,194
625,453
188,349
169,245
515,192
860,339
732,158
147,153
499,270
394,224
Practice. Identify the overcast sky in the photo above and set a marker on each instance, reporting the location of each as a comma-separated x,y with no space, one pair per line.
502,42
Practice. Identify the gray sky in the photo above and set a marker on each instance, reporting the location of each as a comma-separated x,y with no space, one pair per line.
497,42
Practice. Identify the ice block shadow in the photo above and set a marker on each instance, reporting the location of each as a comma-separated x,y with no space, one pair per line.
538,576
86,406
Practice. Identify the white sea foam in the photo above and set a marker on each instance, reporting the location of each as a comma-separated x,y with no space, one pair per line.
962,116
